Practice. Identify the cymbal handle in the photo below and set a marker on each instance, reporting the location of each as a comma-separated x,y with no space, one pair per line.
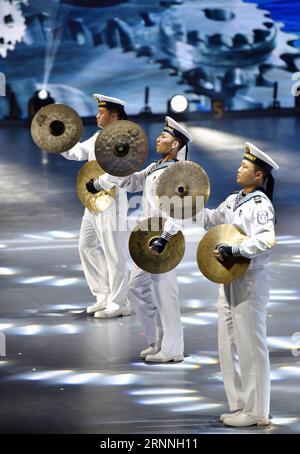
155,238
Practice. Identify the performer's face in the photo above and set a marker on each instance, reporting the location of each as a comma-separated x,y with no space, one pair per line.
165,143
105,117
248,175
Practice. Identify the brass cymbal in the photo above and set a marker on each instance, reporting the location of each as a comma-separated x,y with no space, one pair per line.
121,148
143,235
56,128
93,202
182,190
209,265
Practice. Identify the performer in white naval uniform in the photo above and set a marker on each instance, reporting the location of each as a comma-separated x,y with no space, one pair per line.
243,351
155,296
102,245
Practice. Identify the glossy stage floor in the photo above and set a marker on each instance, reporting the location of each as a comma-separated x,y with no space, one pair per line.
65,372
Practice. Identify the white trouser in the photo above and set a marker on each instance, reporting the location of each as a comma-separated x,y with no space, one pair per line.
104,251
243,351
156,302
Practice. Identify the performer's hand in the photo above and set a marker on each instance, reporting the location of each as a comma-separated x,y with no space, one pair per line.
229,255
93,186
223,252
217,254
158,246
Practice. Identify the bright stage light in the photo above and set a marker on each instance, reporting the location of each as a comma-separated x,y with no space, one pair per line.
43,94
179,103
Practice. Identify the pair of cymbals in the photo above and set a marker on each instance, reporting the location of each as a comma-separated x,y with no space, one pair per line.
182,190
140,240
93,202
150,229
209,266
120,149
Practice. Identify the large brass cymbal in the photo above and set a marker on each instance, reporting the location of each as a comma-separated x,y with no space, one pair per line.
182,190
56,128
209,265
93,202
121,148
143,235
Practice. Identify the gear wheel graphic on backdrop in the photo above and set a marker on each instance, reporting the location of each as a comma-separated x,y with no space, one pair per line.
12,25
213,46
226,33
231,49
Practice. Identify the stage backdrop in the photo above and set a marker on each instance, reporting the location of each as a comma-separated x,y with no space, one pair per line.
229,50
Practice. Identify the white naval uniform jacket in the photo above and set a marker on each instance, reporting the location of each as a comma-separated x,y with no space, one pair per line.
254,214
85,151
145,181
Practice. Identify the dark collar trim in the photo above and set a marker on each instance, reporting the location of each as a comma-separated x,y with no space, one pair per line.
162,165
254,194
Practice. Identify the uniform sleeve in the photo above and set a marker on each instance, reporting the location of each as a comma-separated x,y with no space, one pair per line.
209,218
108,181
262,237
170,228
80,152
135,182
132,183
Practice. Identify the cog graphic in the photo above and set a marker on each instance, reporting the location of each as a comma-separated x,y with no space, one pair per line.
218,48
208,49
12,25
220,34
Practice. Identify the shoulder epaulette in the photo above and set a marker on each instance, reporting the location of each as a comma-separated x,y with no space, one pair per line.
257,199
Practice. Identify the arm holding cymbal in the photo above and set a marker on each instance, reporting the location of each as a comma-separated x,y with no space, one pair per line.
93,186
132,183
208,218
136,183
170,229
105,181
227,255
262,237
80,152
223,252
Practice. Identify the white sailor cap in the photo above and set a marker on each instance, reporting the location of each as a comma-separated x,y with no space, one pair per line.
259,158
176,130
107,101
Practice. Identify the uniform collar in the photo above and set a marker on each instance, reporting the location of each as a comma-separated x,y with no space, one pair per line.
161,165
241,198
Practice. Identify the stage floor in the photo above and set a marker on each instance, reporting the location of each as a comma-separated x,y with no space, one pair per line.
65,372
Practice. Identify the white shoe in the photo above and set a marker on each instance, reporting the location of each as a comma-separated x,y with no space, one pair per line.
99,306
233,413
113,310
151,350
160,357
244,420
